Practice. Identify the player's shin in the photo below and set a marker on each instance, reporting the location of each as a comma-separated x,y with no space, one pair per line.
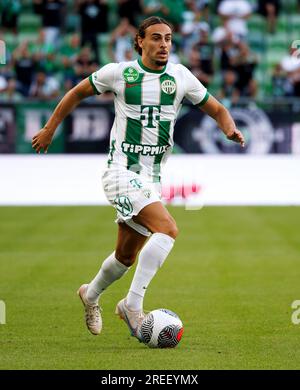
110,271
151,258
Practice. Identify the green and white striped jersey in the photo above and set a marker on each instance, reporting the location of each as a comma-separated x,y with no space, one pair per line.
147,103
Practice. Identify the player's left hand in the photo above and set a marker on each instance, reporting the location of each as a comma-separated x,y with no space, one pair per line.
42,140
237,136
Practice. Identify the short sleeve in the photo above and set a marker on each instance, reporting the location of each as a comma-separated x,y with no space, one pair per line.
195,92
103,80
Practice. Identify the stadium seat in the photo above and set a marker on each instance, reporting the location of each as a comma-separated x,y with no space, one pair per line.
103,40
277,41
27,6
282,23
294,23
256,23
257,42
275,56
27,36
29,22
113,16
289,6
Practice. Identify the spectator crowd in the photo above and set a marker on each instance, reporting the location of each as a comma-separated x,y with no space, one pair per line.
58,57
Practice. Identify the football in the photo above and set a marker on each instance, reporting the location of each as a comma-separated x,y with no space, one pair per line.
161,328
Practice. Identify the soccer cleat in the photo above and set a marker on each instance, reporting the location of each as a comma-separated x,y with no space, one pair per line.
92,312
133,319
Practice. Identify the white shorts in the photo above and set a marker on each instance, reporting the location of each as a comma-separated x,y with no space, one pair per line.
129,193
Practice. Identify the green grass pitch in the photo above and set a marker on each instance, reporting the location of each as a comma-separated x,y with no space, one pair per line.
231,277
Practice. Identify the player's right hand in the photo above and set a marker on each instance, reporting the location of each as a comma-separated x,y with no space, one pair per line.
237,136
42,140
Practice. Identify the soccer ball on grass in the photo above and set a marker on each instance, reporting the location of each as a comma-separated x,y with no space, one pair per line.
161,328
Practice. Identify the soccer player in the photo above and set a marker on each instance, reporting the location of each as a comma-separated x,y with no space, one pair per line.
148,95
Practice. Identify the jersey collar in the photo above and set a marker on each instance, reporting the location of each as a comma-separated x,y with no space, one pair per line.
150,70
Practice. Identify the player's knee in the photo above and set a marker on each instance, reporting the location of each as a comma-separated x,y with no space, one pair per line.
168,227
173,231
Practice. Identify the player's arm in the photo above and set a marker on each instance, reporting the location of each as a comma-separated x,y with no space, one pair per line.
43,138
224,120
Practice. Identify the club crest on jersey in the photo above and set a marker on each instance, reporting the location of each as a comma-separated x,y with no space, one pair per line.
123,205
147,193
168,87
130,74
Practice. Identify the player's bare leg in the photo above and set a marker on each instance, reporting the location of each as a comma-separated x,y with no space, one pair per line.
156,218
129,243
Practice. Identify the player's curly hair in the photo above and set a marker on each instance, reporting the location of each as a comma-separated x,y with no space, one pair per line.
142,30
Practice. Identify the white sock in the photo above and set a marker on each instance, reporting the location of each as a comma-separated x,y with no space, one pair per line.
110,271
151,258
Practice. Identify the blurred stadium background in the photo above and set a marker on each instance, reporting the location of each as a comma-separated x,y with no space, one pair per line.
241,264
